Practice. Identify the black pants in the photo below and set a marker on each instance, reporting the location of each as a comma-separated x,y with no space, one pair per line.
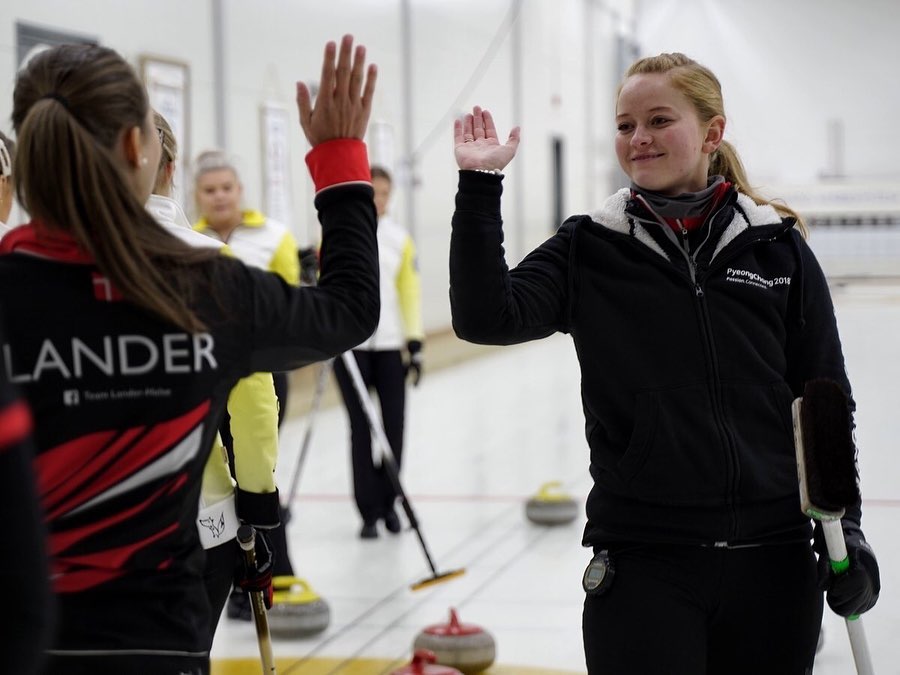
218,578
690,610
382,371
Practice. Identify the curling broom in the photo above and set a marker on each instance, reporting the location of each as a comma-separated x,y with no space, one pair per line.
246,537
826,467
393,471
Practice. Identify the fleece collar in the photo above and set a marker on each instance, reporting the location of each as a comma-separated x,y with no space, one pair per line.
747,214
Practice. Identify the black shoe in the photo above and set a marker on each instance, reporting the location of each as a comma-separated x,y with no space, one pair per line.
368,531
239,607
392,522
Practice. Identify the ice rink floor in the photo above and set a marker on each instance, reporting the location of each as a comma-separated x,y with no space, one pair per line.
481,438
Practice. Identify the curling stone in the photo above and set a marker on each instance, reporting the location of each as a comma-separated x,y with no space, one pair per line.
551,506
466,647
297,610
421,665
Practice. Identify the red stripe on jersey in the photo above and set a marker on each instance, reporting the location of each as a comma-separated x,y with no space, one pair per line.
104,289
15,424
122,460
102,566
58,542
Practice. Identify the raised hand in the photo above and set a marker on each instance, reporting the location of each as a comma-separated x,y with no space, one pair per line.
344,101
476,145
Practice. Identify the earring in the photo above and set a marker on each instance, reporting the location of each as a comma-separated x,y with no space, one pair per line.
144,161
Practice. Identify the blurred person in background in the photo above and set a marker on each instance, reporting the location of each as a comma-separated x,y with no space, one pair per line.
7,185
386,360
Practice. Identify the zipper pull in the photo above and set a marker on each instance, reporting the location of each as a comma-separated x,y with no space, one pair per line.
698,290
684,235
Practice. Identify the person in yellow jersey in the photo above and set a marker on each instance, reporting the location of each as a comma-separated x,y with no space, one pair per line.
267,244
382,366
253,410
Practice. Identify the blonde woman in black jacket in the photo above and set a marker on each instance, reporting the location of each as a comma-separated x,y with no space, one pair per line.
698,312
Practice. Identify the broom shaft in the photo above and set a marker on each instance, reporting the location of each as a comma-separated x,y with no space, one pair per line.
387,455
257,603
324,369
837,553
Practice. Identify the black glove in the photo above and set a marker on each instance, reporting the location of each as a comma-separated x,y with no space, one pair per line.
258,578
414,361
259,509
309,265
855,590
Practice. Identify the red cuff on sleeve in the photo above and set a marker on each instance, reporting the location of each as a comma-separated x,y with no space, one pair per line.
15,424
342,160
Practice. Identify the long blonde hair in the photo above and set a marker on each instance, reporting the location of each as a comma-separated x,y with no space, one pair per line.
702,88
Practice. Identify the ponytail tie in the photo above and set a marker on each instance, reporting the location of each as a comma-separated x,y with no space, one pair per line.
58,98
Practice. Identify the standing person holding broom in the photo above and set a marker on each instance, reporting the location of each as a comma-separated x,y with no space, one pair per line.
383,367
698,313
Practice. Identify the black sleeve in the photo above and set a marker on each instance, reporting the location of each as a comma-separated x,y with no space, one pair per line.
23,563
814,345
292,327
489,303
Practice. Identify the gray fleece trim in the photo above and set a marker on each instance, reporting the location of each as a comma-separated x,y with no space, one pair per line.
612,216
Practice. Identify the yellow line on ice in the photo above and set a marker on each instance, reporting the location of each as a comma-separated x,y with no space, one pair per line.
355,667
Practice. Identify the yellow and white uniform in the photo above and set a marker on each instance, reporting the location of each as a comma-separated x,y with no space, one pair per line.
261,242
252,406
401,290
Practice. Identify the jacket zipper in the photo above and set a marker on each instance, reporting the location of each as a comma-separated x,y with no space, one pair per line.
717,384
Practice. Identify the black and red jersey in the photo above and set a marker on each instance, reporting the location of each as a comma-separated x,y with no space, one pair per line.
126,407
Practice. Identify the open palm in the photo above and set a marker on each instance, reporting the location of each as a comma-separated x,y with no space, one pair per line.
476,145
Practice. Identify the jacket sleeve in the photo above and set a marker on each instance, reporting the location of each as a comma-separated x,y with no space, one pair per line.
814,344
291,326
409,292
489,303
253,408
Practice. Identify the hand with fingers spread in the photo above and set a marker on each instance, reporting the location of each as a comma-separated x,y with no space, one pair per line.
476,145
344,101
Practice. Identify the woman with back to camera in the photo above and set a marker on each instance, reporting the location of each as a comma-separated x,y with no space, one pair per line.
698,313
126,342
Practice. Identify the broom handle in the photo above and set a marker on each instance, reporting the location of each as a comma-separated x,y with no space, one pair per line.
246,538
837,552
318,394
387,455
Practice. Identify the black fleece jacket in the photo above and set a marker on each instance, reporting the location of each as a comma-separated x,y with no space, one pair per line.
689,363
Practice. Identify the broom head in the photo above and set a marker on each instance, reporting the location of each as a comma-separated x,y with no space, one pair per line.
826,453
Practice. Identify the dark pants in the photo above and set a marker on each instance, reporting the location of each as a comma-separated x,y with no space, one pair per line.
690,610
218,577
383,372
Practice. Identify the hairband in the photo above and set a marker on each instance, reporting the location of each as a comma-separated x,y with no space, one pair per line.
5,160
59,98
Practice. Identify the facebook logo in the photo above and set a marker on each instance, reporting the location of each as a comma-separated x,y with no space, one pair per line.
70,397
